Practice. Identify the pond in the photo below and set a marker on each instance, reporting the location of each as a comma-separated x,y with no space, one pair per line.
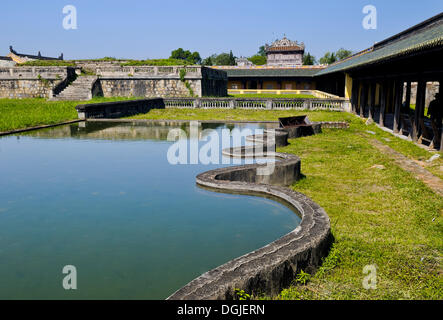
102,196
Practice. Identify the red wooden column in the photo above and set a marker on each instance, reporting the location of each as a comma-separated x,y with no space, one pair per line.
441,92
383,99
407,106
372,99
398,99
354,96
419,109
363,99
408,95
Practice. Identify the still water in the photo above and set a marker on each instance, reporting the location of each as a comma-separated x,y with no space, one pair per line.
102,196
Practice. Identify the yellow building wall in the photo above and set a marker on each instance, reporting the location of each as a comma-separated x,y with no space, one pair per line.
377,94
348,86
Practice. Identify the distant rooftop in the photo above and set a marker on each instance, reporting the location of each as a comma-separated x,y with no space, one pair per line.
270,71
285,44
23,57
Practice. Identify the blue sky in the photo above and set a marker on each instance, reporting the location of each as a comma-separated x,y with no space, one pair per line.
152,29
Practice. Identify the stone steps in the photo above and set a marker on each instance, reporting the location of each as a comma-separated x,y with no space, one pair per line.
80,89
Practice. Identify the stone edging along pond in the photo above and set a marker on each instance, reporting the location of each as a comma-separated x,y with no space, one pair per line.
273,267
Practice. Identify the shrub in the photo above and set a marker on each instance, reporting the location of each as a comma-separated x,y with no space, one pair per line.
156,62
48,63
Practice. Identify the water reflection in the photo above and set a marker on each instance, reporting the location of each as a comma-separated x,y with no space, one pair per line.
102,196
134,130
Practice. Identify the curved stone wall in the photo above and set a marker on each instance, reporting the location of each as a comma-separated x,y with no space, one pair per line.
273,267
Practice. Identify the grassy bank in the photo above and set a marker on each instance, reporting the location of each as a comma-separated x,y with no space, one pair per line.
407,148
382,217
380,214
24,113
239,114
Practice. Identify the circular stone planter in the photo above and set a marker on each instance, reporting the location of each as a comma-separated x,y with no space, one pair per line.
273,267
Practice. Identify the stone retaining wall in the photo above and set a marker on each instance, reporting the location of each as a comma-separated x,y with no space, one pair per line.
269,269
118,109
161,81
116,81
131,87
33,82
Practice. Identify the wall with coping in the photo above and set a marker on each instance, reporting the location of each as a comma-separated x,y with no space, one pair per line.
118,109
126,108
161,81
273,267
139,87
33,82
115,81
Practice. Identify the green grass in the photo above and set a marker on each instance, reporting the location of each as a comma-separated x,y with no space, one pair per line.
48,63
281,96
156,62
24,113
407,148
68,63
240,114
380,217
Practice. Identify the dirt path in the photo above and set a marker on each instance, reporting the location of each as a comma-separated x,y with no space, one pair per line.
433,182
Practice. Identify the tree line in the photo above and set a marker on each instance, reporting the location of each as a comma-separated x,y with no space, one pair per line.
228,59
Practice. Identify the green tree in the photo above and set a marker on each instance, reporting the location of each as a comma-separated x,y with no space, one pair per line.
308,59
342,54
328,58
258,60
180,54
222,59
195,58
262,51
209,61
231,59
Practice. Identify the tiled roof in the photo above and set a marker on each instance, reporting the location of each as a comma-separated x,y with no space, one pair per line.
292,48
426,35
239,72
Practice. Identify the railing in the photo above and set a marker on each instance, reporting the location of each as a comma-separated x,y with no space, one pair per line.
131,107
259,103
49,73
324,95
179,103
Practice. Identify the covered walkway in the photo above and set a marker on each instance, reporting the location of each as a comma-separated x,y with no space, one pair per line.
378,81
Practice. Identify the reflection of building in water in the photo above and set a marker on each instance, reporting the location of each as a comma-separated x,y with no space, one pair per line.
113,130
